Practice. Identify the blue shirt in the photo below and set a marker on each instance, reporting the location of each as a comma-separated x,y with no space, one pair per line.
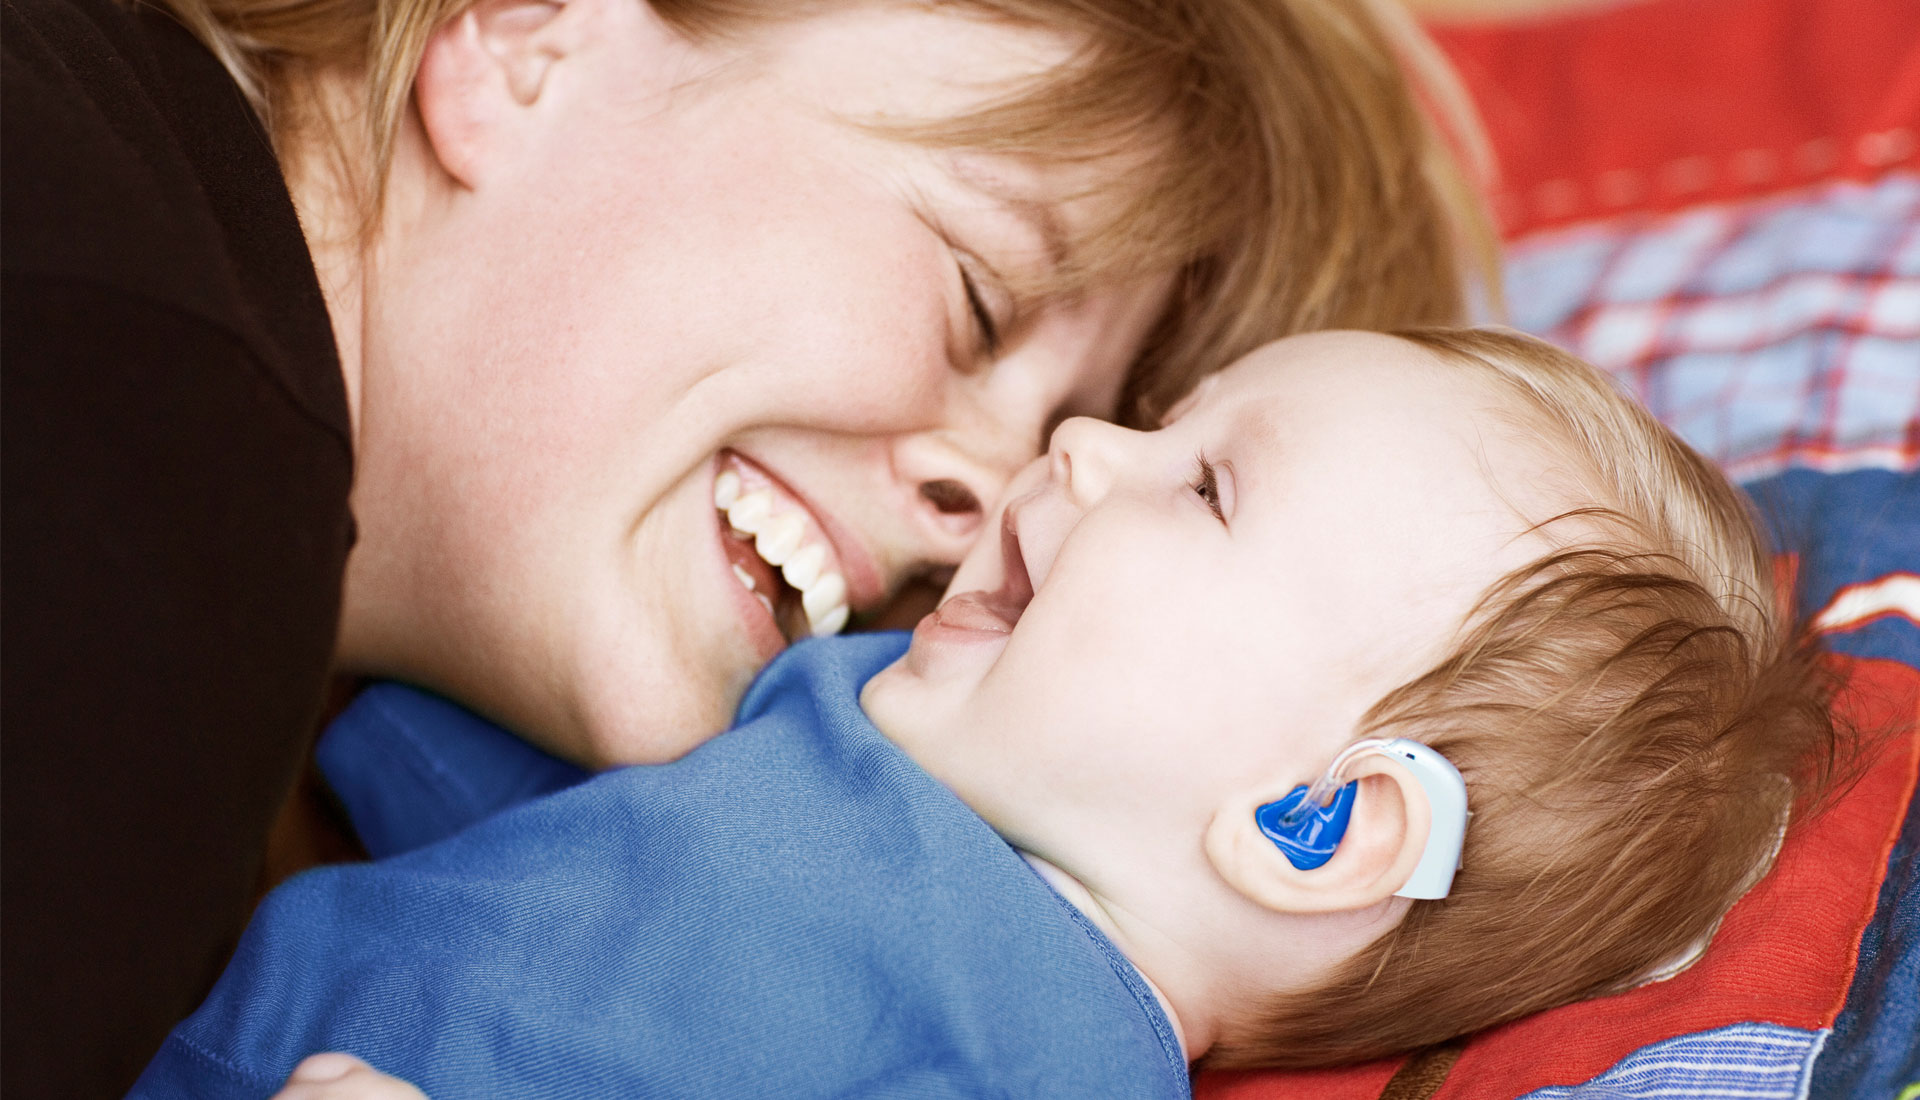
793,909
412,768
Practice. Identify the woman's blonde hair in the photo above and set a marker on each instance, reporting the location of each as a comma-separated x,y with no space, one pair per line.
1632,723
1275,153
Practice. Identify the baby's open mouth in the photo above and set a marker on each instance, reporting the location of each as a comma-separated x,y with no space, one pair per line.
997,611
778,550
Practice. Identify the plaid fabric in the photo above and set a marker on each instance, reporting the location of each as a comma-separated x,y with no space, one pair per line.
1778,333
1750,1061
1872,1050
1853,541
1781,337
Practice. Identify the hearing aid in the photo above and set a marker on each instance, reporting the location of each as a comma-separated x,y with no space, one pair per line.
1307,822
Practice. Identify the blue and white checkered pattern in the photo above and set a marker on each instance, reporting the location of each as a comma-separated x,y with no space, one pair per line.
1781,338
1774,334
1744,1061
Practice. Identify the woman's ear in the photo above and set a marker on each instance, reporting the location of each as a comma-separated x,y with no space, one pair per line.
1385,837
483,73
480,70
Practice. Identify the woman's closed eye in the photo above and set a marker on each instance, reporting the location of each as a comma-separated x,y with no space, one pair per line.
986,329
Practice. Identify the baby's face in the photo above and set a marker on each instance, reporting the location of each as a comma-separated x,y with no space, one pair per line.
1171,615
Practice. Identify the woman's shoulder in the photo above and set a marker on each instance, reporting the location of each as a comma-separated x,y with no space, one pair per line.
139,183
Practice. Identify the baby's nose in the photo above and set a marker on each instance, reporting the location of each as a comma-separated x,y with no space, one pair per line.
1084,455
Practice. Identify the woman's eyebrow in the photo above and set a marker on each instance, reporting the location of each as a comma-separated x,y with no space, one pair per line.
1042,219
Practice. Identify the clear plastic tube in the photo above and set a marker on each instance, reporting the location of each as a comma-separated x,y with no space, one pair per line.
1321,793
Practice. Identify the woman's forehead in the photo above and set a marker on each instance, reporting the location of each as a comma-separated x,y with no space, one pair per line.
904,77
903,63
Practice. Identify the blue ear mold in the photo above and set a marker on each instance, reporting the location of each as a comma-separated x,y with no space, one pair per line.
1314,831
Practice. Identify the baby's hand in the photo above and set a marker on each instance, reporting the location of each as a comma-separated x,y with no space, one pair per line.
343,1077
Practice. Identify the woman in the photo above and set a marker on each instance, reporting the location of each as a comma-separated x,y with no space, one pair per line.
533,278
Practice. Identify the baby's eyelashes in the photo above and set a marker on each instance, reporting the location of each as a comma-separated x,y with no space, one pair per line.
1206,484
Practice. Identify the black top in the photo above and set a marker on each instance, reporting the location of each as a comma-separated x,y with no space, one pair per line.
175,457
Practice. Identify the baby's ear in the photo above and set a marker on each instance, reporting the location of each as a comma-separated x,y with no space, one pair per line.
1385,837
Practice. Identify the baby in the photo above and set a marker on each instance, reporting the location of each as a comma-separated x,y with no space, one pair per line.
1029,862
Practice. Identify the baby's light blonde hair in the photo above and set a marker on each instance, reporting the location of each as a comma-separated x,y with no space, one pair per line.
1632,724
1273,153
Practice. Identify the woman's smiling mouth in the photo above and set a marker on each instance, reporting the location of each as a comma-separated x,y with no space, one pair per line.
778,550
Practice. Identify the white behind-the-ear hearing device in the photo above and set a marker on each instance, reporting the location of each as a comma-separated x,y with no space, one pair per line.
1447,832
1303,819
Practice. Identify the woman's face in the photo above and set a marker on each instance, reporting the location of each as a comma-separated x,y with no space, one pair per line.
636,271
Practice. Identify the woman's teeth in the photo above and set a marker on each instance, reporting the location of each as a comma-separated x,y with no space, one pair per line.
826,602
779,537
780,541
726,489
803,568
746,579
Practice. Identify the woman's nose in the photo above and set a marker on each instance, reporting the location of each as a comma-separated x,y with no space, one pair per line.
951,497
954,481
1085,455
989,429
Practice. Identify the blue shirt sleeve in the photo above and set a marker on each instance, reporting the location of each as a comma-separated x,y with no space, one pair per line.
411,768
795,908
